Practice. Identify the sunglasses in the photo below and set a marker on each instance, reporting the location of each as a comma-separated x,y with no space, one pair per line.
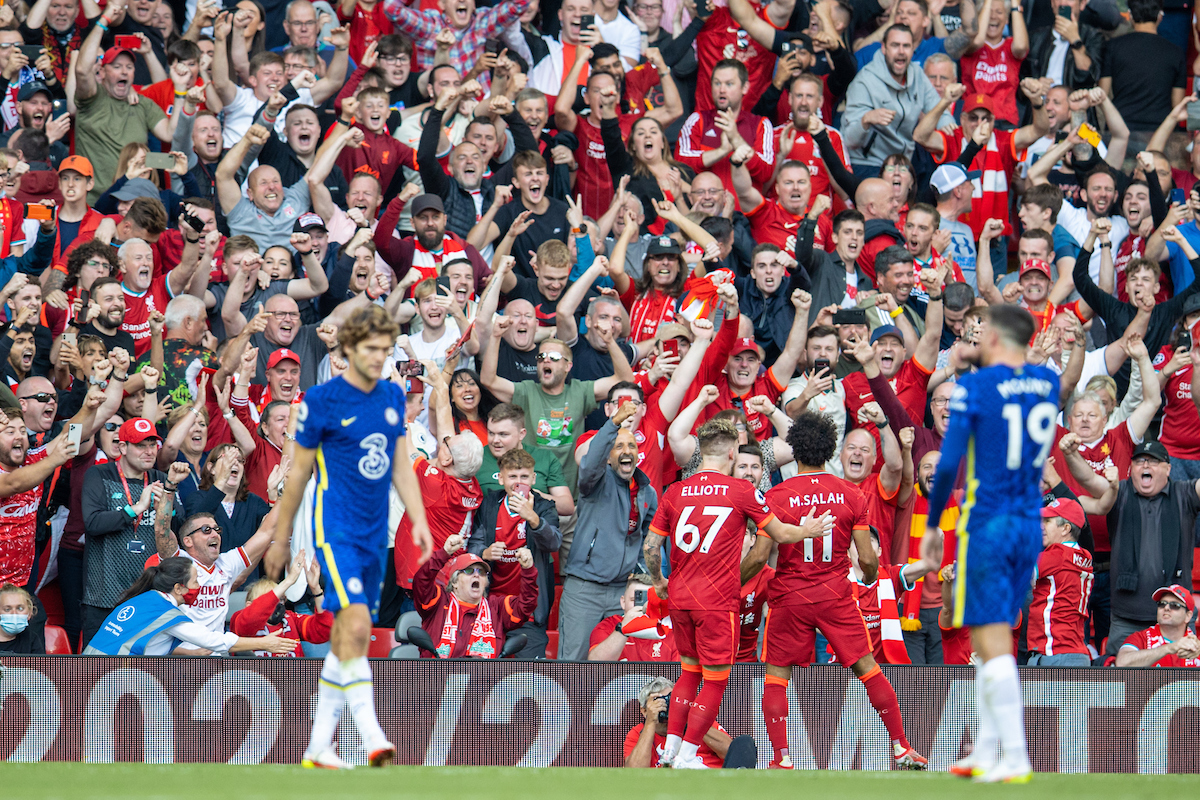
205,529
552,356
476,570
41,397
1172,606
112,427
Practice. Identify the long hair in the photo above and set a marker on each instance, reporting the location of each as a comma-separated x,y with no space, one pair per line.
206,475
486,402
127,154
903,160
640,168
161,578
645,281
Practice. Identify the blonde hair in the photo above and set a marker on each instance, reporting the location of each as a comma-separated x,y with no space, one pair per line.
12,588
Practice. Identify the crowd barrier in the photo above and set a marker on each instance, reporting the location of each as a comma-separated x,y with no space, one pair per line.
248,711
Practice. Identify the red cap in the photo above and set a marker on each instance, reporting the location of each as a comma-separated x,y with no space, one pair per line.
137,430
78,164
746,343
1035,264
974,101
1068,509
281,354
1180,592
110,55
462,561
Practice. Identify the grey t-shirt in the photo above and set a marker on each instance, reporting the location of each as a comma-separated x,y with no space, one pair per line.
249,307
307,345
270,230
962,248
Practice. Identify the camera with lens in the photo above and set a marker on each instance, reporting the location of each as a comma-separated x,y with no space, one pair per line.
662,715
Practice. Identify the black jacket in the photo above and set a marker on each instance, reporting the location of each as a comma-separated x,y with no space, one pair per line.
541,541
1041,45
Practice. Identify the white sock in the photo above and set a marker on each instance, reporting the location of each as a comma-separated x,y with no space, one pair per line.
330,702
687,750
360,696
1003,687
672,746
984,754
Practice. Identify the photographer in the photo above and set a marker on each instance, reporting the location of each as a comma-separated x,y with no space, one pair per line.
644,742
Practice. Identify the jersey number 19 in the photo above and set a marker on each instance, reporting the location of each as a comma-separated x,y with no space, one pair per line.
1039,424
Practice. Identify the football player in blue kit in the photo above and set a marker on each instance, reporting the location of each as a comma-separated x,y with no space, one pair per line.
1002,420
351,430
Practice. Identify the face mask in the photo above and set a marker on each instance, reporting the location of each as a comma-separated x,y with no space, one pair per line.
190,597
13,623
277,615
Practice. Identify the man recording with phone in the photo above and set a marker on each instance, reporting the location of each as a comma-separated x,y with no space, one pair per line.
633,635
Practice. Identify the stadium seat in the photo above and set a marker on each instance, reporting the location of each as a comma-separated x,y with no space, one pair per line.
405,651
382,643
57,643
409,619
237,601
552,617
552,644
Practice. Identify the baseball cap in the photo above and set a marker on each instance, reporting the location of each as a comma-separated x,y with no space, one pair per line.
280,355
662,246
1180,592
950,176
977,100
110,55
1068,509
803,39
673,330
1151,448
135,188
424,203
464,560
746,343
1191,305
886,330
32,88
1032,264
307,221
84,167
137,430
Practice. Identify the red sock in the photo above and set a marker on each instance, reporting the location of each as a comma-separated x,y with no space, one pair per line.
883,698
708,703
775,713
683,695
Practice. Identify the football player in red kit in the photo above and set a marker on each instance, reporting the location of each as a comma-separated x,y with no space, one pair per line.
811,590
705,518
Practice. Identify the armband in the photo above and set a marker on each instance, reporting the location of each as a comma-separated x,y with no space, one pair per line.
899,310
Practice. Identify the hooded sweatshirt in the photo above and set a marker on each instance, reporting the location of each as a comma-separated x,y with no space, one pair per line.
874,87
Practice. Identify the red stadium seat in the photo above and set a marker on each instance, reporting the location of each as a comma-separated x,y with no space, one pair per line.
552,644
552,618
382,642
57,643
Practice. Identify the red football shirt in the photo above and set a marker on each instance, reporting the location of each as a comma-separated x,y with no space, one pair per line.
1135,247
365,27
593,181
995,72
1151,638
1060,600
815,570
705,519
710,759
506,572
764,384
956,645
998,162
805,150
881,511
721,38
1180,424
910,385
137,312
18,528
1115,448
651,438
636,649
754,596
769,222
449,507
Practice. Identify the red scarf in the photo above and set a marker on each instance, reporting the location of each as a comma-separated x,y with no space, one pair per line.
890,631
50,41
911,621
482,643
652,309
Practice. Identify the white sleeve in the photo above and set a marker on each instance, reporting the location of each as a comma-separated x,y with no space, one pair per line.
195,634
234,562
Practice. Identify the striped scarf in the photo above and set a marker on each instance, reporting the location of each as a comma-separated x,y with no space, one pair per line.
652,309
429,263
891,633
911,621
482,642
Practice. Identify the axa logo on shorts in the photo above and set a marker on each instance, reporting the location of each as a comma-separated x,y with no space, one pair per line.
376,463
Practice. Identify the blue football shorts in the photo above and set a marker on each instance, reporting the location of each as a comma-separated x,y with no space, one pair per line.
996,558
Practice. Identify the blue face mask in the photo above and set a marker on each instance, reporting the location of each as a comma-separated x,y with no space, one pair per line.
13,623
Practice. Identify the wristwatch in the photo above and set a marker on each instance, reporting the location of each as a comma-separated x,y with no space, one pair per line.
1078,43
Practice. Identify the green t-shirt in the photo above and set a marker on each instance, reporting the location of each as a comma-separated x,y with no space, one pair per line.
546,469
103,125
554,422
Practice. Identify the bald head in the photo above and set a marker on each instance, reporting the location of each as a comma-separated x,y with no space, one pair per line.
264,187
707,193
875,200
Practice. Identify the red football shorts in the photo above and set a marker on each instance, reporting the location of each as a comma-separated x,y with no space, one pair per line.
710,637
790,632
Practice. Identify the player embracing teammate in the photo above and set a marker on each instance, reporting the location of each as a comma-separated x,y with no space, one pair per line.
705,518
811,590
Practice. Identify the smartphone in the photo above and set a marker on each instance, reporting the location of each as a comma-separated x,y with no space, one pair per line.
39,212
639,595
1185,340
410,369
1089,135
75,435
1064,12
491,45
160,161
127,43
71,339
786,48
60,108
1193,117
587,21
32,51
85,296
670,347
820,364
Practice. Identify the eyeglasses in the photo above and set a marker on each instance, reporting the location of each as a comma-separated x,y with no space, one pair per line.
205,529
553,356
41,397
6,45
896,168
938,402
286,314
1172,606
302,25
112,427
704,192
400,59
95,262
476,570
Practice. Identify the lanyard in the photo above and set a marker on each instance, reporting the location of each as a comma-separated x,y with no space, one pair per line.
138,519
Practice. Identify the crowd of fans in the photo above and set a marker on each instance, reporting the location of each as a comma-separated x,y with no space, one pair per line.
599,226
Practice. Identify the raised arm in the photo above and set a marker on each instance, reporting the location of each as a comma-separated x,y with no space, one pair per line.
335,73
743,184
501,388
1139,421
222,82
564,104
926,133
679,433
323,164
228,190
85,66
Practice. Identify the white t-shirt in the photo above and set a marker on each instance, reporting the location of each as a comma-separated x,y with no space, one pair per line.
623,35
833,405
239,114
1076,222
216,582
